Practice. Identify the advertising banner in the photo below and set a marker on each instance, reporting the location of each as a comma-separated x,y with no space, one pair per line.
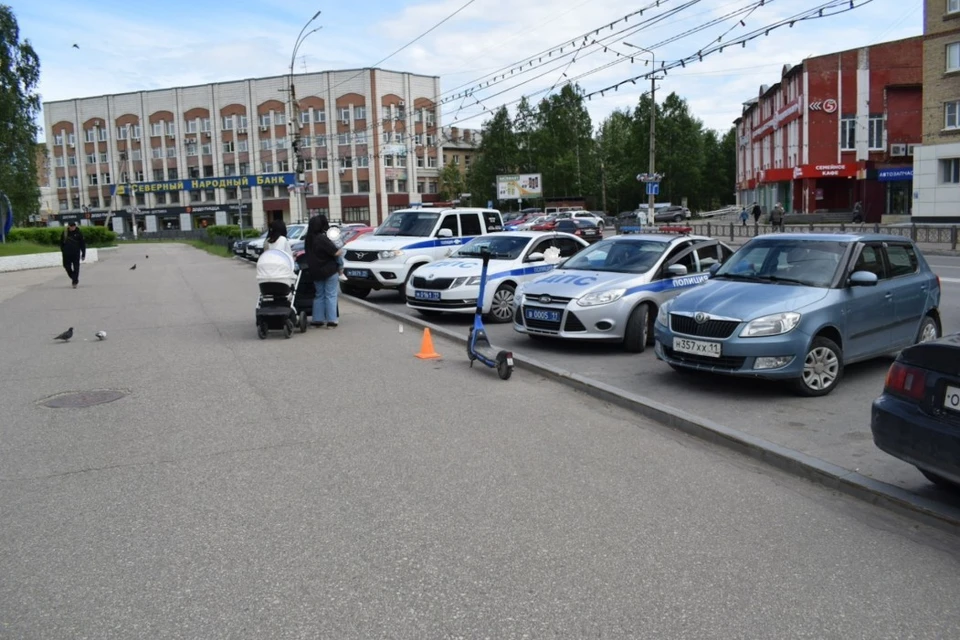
198,184
523,185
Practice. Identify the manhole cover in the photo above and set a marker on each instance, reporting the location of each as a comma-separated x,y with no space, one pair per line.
81,399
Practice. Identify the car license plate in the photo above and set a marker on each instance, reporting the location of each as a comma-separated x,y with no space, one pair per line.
426,295
697,347
544,315
951,398
356,273
590,232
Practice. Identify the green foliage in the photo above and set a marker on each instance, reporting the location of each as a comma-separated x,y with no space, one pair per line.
231,231
452,182
22,248
19,107
94,236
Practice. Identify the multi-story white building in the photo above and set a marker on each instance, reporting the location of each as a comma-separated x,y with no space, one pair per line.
188,157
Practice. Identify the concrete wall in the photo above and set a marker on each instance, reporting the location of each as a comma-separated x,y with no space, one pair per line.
41,260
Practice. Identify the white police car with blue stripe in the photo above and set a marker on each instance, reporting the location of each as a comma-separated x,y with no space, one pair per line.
612,291
453,284
407,240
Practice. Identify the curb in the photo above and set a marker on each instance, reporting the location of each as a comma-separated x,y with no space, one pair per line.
851,483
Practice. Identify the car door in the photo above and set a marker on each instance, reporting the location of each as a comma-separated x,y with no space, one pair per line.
449,222
711,252
868,312
910,290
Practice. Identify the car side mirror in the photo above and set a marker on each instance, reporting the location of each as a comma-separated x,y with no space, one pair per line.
676,270
444,233
863,279
713,269
535,257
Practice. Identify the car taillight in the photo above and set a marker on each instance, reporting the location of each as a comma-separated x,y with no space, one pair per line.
907,381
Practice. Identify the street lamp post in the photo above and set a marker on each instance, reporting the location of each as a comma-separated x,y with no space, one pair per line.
294,123
651,199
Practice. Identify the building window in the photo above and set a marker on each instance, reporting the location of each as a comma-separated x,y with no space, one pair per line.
386,136
174,197
156,129
58,161
156,152
346,162
391,188
210,195
418,139
195,195
388,161
456,158
320,141
363,162
848,133
138,176
172,173
875,132
953,57
953,6
346,186
91,158
950,170
92,179
231,193
308,164
136,155
360,137
72,161
136,132
322,162
420,161
401,186
206,149
281,143
161,198
283,166
343,139
432,186
398,137
265,144
363,186
359,113
208,171
61,183
268,167
242,123
242,146
191,149
171,152
74,181
228,147
88,135
158,175
122,132
58,139
323,188
431,140
356,214
265,120
105,178
432,161
419,186
227,123
140,199
344,114
243,169
951,112
466,161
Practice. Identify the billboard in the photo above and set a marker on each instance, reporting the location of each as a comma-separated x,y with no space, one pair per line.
523,185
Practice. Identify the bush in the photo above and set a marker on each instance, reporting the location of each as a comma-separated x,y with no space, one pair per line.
231,231
95,236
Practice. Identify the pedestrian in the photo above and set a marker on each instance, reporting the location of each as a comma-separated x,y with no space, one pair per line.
743,216
776,217
322,263
74,251
757,212
277,238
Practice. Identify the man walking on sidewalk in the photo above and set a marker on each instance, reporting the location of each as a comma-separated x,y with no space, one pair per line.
74,250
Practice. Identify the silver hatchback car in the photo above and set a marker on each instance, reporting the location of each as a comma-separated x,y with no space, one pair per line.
612,291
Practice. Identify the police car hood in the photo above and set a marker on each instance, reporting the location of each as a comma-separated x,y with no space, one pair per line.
746,300
387,243
574,283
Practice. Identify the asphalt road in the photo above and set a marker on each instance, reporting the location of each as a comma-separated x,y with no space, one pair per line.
835,428
334,486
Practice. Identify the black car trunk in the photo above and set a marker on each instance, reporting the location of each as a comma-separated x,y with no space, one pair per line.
941,356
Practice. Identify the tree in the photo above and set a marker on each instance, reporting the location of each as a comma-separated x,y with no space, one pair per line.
452,183
497,154
564,145
19,106
679,152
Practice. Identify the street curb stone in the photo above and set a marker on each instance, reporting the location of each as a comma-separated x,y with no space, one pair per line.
814,469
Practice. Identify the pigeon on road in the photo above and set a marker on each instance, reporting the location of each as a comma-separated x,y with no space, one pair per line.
66,335
101,335
133,267
148,257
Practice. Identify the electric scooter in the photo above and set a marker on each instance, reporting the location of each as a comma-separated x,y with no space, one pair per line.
478,345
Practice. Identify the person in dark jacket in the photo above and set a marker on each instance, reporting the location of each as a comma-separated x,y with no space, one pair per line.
74,250
757,212
322,255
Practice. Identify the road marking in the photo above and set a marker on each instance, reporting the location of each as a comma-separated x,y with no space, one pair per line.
949,279
944,266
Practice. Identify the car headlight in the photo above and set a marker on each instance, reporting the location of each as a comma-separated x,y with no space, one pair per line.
772,325
470,281
663,315
390,253
601,297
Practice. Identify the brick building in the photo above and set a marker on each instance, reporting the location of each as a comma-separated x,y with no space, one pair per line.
835,130
187,157
460,147
936,163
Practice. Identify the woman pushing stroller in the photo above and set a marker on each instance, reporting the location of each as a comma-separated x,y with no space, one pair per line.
321,258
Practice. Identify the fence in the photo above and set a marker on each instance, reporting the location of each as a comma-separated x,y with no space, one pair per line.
924,234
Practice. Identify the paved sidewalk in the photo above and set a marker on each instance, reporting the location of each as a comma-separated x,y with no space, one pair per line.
332,485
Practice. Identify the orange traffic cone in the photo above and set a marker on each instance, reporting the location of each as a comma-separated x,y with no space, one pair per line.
426,347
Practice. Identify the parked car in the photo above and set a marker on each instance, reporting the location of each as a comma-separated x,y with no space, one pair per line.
453,284
517,223
581,228
611,291
589,216
672,214
528,225
800,307
255,247
348,233
240,246
917,417
547,224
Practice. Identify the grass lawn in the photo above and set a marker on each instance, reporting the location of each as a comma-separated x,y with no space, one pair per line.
23,248
213,249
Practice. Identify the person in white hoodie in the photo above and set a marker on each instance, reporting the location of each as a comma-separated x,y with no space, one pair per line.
277,238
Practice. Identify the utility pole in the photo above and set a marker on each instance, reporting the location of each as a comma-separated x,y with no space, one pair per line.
652,171
603,184
293,128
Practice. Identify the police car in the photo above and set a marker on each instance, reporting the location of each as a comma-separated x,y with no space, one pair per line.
407,240
612,291
453,284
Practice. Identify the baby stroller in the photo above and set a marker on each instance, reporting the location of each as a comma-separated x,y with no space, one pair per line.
278,283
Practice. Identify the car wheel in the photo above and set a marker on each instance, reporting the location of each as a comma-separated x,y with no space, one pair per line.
501,308
822,368
356,292
928,330
678,218
939,480
638,329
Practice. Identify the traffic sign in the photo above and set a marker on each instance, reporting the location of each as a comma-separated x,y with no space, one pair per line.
653,188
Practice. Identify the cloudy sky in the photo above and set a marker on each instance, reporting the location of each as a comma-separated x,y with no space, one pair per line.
130,47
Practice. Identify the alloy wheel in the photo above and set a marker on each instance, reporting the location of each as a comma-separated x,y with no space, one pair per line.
501,307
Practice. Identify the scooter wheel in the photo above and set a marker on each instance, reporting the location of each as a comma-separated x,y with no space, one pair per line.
504,368
262,330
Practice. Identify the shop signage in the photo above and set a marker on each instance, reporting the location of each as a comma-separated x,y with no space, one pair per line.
776,175
192,184
892,175
827,106
845,170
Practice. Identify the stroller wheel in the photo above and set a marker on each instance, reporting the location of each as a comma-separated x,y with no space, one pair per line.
262,330
303,322
288,329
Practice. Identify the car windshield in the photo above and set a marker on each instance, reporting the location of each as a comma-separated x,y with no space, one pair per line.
618,255
500,247
812,263
295,232
409,223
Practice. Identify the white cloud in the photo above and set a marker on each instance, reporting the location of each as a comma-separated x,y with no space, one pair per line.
120,52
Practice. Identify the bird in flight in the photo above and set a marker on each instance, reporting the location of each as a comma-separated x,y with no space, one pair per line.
76,46
66,335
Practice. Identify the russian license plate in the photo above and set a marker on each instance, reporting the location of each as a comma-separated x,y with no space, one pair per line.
697,347
951,398
544,315
426,295
590,232
356,273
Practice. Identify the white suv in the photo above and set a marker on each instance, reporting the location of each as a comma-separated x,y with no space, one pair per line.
407,240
